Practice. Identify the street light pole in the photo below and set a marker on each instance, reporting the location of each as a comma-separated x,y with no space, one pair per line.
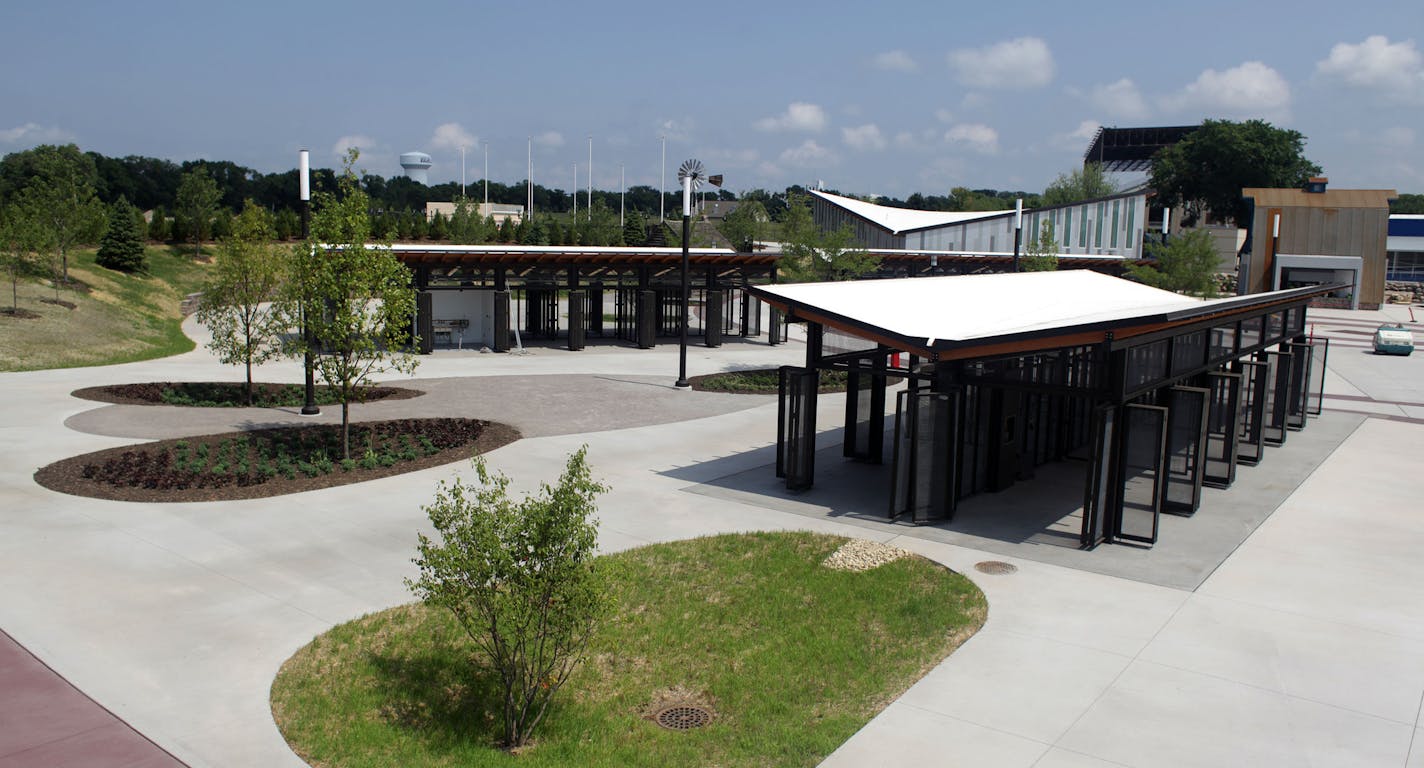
622,192
1018,230
304,193
662,183
462,173
686,237
486,175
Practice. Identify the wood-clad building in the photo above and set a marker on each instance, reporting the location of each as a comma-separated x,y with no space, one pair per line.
1314,236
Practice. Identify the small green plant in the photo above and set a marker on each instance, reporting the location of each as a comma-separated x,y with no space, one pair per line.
521,578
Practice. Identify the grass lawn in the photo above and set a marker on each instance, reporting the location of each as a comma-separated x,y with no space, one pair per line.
792,657
122,318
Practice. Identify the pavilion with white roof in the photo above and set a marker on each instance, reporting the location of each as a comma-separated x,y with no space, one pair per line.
1157,392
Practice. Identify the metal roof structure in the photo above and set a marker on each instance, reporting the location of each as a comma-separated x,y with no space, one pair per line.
1272,197
1128,150
411,253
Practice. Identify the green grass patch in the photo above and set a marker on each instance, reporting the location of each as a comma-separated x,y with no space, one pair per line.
792,657
121,318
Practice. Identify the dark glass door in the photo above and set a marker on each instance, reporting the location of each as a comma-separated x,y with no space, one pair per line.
1223,428
1142,458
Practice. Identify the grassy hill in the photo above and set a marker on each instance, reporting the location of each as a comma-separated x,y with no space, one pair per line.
111,317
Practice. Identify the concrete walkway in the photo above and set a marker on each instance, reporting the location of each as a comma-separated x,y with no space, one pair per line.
1305,646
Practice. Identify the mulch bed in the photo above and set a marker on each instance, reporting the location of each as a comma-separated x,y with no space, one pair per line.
141,472
264,393
827,387
22,314
61,303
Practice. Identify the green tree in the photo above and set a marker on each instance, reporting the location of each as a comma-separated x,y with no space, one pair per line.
521,578
238,299
1186,264
438,227
635,229
60,196
158,229
1407,203
744,224
359,297
197,203
1086,183
1041,255
534,233
121,247
506,230
1206,171
811,255
21,237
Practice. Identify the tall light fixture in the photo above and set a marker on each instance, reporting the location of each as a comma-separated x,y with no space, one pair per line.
529,181
486,175
590,178
304,194
622,192
575,195
662,183
462,173
1018,230
691,175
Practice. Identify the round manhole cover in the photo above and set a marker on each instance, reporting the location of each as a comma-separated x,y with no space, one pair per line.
682,717
995,567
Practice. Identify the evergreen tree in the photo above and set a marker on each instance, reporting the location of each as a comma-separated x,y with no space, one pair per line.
506,230
635,229
489,233
553,231
158,229
534,233
419,225
121,247
1041,255
439,230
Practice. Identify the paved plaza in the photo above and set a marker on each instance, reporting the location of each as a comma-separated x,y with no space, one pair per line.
1282,625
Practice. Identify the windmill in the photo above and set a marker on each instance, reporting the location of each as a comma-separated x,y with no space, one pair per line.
691,175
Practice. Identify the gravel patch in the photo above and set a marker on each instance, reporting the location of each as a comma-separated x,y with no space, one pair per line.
863,555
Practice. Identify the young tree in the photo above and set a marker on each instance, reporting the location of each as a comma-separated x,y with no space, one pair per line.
1041,255
1209,168
359,297
743,225
20,238
1186,264
61,197
521,578
197,203
237,305
1086,183
438,227
810,255
121,247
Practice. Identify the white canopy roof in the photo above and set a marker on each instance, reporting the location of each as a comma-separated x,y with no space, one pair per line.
974,307
899,220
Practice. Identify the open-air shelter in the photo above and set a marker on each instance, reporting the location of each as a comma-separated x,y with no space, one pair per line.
1155,393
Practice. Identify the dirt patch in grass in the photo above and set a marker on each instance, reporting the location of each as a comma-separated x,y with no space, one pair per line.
271,462
60,303
227,394
20,314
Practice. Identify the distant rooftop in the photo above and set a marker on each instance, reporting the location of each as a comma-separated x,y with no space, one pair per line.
899,220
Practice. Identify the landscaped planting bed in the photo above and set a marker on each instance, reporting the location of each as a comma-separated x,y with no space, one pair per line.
763,381
228,394
787,648
270,462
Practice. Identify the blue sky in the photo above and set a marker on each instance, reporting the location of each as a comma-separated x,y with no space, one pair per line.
888,98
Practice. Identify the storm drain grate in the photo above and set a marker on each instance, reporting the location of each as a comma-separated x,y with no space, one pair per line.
996,567
682,717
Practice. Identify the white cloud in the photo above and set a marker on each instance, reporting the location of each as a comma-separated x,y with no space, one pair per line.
549,139
799,116
731,158
452,136
1250,90
1120,99
895,61
975,136
34,133
809,153
906,140
863,137
944,116
359,141
676,129
1378,64
1076,139
1023,62
770,169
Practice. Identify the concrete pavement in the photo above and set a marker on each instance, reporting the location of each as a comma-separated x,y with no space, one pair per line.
1305,645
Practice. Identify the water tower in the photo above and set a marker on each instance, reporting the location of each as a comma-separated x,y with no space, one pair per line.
416,164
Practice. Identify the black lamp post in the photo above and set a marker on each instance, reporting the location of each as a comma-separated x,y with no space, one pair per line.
304,192
691,175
